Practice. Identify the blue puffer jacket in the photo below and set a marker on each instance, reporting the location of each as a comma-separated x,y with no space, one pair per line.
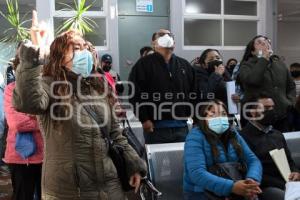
198,157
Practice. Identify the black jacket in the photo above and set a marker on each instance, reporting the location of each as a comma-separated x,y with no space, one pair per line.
210,85
156,82
272,78
261,143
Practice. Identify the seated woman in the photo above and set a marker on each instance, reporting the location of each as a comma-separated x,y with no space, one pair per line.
210,142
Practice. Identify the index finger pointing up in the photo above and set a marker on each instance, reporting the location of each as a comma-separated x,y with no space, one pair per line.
34,19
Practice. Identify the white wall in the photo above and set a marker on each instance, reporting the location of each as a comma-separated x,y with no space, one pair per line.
289,41
267,26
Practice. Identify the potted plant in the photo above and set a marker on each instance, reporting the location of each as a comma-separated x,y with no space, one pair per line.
79,21
15,33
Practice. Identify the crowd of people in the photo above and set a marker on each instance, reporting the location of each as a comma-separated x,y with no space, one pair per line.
56,149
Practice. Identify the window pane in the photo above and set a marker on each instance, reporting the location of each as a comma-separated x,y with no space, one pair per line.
203,6
97,4
239,33
202,32
97,38
235,7
60,4
8,50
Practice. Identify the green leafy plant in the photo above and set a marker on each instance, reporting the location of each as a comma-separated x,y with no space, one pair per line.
78,22
17,32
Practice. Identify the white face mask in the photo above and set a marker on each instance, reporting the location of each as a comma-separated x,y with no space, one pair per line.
260,54
166,41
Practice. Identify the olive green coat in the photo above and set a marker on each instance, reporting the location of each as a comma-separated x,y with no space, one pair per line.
272,78
76,162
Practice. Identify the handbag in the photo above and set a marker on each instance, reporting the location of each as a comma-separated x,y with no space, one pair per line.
25,144
132,139
115,152
228,170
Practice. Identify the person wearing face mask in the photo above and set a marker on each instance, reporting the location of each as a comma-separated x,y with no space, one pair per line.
262,138
263,72
111,76
295,72
162,79
231,64
214,141
294,116
68,98
211,77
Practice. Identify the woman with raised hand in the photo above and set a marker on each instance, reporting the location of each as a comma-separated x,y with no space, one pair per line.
77,164
263,72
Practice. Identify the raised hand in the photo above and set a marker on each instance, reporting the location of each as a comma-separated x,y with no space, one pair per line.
38,32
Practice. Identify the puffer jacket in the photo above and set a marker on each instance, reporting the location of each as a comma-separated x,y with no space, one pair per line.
198,158
20,123
76,163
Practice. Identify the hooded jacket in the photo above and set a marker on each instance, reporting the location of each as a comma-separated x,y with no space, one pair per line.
272,78
19,123
76,164
198,158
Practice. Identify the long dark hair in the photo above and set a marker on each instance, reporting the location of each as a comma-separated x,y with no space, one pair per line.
211,137
250,48
231,59
204,56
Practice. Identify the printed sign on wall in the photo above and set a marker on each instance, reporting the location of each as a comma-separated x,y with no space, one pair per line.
144,6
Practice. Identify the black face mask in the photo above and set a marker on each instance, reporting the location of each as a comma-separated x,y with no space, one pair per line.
295,74
212,64
106,68
269,118
231,68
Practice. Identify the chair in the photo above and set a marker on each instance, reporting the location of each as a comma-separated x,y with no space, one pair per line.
293,142
165,165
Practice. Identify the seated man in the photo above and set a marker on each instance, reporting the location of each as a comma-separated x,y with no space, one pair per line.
262,138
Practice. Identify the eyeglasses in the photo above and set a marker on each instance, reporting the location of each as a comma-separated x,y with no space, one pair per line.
161,34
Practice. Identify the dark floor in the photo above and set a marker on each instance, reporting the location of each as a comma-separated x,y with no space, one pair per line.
5,184
6,189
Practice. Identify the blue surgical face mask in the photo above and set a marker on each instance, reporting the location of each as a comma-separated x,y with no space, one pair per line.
218,124
83,63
